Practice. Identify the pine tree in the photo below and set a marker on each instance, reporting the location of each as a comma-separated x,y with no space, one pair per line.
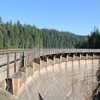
1,40
0,20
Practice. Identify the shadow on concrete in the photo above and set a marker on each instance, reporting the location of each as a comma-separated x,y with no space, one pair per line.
9,63
9,85
96,92
40,97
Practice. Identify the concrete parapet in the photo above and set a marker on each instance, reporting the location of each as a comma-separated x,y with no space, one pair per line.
3,85
3,71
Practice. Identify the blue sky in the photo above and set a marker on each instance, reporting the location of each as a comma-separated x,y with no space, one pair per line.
76,16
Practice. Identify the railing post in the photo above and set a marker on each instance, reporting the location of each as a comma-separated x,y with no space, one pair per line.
20,60
23,62
15,63
7,64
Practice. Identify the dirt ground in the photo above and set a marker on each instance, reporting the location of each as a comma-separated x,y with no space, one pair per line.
7,96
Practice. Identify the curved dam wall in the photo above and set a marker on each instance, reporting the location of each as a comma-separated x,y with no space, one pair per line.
72,80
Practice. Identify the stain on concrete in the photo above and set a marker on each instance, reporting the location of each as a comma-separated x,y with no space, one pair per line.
40,97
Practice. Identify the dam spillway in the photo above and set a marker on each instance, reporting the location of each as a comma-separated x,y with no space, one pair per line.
52,75
73,80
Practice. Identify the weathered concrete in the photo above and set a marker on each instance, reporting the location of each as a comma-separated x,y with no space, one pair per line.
73,80
63,74
3,85
96,93
7,96
3,71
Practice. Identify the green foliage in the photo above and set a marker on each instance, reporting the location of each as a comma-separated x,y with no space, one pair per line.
1,40
93,40
13,47
27,36
0,20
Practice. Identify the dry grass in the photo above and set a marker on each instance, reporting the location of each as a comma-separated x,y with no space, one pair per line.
7,96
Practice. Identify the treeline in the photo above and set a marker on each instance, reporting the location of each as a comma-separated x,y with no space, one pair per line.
92,41
26,36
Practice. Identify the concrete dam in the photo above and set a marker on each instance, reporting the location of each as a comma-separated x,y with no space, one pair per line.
60,74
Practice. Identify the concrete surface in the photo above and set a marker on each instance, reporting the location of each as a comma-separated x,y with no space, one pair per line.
65,81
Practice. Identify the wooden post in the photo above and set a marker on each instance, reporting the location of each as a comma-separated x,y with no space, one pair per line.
20,60
20,63
15,63
23,62
7,64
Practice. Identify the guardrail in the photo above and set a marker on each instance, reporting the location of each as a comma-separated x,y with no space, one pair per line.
41,52
30,54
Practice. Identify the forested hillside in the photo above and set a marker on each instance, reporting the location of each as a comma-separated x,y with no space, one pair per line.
26,36
92,41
